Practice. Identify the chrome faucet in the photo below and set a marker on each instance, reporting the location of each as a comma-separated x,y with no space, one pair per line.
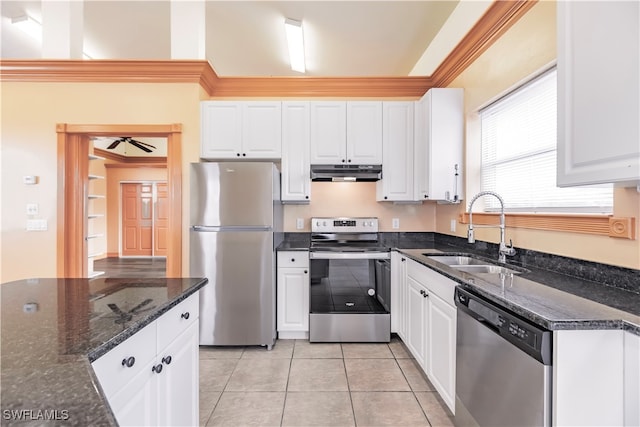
504,249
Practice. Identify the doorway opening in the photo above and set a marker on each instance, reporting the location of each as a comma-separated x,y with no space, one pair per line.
75,185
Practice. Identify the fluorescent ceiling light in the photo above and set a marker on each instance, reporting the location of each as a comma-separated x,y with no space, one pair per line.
29,25
295,40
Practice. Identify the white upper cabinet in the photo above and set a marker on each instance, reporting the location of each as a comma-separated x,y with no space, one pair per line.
346,132
364,132
296,179
397,152
328,132
598,92
439,133
241,129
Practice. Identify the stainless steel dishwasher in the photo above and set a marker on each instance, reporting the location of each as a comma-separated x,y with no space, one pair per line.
503,367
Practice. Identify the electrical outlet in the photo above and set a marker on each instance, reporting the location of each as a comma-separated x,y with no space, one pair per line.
32,209
453,225
395,223
299,223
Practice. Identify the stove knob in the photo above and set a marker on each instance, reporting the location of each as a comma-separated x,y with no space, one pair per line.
324,223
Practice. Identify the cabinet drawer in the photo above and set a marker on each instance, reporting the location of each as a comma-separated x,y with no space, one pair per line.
112,370
435,282
293,259
175,321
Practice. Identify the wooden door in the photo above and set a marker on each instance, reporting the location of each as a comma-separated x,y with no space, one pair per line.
161,224
137,219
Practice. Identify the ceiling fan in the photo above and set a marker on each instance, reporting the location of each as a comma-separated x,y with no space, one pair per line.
139,144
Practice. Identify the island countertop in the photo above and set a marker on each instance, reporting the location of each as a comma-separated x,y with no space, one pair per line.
53,328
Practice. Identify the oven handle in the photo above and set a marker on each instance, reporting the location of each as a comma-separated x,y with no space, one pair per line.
349,255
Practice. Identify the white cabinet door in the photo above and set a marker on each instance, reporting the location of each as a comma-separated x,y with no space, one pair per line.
262,129
178,382
439,130
416,317
220,129
293,299
397,152
598,92
441,355
631,379
137,403
328,132
398,293
364,132
296,179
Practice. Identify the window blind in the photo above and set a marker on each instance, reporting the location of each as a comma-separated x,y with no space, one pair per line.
519,134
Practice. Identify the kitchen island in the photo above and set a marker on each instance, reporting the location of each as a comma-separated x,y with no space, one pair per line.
54,328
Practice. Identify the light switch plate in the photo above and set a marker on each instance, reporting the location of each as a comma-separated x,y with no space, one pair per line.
395,223
299,223
36,225
453,225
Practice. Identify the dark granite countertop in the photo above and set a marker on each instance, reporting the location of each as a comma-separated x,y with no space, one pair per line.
53,328
553,300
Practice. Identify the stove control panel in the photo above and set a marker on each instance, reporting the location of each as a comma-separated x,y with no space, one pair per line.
344,225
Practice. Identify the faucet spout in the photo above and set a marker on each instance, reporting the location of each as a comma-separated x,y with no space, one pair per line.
503,249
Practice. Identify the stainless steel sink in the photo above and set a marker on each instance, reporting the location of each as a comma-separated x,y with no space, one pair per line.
490,269
457,260
473,265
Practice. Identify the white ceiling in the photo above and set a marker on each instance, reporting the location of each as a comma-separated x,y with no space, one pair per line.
246,38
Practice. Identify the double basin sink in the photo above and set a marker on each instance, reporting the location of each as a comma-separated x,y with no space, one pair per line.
472,265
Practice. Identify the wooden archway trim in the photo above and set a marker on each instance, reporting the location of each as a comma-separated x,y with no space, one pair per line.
73,166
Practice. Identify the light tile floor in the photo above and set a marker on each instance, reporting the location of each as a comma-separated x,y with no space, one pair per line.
314,384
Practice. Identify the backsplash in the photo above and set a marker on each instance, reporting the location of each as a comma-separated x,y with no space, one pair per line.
618,277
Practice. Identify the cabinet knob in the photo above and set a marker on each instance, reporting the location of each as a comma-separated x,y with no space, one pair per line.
129,362
166,360
403,259
426,196
342,160
385,197
244,154
305,272
424,293
293,260
349,161
157,368
238,154
306,197
185,316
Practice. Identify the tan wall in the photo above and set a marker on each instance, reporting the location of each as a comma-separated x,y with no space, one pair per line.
526,48
356,199
30,112
115,176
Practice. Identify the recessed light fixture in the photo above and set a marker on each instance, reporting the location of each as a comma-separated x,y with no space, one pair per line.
295,41
28,25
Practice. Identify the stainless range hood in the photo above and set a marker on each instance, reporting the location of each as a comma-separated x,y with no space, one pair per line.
346,172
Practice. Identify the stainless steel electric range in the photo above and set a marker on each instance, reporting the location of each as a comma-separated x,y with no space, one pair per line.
350,282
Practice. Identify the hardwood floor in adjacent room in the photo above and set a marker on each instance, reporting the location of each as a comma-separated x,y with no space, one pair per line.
131,267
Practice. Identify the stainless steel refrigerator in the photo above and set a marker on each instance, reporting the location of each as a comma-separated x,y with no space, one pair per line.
236,223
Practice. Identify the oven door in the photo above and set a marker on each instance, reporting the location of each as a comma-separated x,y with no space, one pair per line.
344,303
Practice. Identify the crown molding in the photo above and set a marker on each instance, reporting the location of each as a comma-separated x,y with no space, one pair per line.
500,16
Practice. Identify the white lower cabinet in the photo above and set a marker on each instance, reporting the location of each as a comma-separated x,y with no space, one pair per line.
293,295
398,293
430,320
151,379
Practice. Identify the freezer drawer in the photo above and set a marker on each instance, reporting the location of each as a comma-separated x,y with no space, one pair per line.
237,306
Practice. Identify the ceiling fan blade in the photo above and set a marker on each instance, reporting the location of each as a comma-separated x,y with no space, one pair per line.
143,143
142,147
114,144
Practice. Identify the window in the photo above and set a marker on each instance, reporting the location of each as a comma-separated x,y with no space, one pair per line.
519,154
